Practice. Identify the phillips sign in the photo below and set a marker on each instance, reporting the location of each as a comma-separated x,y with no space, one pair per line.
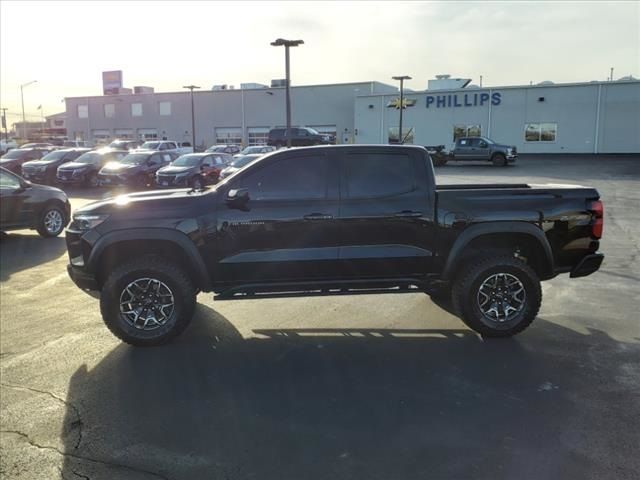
463,100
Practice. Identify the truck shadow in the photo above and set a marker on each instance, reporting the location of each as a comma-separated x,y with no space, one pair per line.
345,403
20,251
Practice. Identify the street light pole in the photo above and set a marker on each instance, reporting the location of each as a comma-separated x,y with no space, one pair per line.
24,121
287,43
402,79
193,117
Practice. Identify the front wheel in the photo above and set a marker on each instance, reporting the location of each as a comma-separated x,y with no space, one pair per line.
499,160
497,296
147,301
51,222
197,183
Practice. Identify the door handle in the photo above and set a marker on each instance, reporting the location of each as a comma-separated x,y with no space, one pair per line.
407,214
318,216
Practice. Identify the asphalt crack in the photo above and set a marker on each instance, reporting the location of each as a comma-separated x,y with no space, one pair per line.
76,424
80,457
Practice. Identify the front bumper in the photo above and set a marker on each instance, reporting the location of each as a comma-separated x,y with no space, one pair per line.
115,180
172,183
35,177
588,265
512,158
83,280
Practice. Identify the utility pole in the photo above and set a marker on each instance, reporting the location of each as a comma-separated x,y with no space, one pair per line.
193,117
402,79
24,121
287,43
4,124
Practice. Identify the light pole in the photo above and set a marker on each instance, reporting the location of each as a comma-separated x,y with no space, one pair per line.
287,43
24,121
402,79
193,117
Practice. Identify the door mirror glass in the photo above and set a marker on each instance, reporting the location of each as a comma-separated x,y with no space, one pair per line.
238,198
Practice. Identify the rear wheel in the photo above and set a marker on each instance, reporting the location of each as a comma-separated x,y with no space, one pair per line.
51,222
499,160
147,301
497,296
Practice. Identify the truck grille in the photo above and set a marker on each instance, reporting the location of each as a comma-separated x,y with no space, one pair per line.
166,179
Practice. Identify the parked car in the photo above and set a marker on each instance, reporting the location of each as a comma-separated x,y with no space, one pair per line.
193,170
239,161
252,149
84,169
166,146
27,205
330,220
77,144
480,148
42,146
124,144
224,148
137,168
45,169
300,137
14,159
6,145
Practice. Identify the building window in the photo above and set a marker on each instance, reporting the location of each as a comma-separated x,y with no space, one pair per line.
460,131
258,135
165,108
124,134
229,136
407,133
136,109
109,110
540,132
83,111
147,134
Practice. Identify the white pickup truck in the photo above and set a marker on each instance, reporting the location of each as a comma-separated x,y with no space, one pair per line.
166,146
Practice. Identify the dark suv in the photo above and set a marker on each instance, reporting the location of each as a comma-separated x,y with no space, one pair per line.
193,170
27,205
136,169
300,137
44,170
14,159
84,169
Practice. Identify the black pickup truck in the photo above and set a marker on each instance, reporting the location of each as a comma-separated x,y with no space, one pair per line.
332,220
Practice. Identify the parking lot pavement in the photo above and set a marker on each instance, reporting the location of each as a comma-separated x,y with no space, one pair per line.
372,386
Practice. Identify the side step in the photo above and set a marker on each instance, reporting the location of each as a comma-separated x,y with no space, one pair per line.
321,288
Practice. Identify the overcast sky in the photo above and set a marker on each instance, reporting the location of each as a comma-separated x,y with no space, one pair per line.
66,45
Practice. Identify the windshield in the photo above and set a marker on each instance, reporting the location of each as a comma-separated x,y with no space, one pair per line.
13,154
150,145
244,160
89,157
254,149
53,156
187,161
313,130
135,158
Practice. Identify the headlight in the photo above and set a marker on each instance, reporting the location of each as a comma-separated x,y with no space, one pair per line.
42,169
84,222
77,172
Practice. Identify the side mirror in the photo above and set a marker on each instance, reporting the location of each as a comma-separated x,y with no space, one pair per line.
237,198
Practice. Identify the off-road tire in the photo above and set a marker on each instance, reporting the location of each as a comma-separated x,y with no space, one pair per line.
149,266
41,228
471,277
499,160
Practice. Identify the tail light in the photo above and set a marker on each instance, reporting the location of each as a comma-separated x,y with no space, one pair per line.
597,210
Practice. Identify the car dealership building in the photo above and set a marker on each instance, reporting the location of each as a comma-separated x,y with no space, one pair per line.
594,117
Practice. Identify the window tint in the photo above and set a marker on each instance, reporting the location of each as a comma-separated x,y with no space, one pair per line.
378,175
7,181
289,179
167,158
475,142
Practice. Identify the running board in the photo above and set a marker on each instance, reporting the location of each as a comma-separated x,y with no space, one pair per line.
320,289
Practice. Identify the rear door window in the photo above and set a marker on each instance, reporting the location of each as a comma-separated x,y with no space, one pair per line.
371,175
